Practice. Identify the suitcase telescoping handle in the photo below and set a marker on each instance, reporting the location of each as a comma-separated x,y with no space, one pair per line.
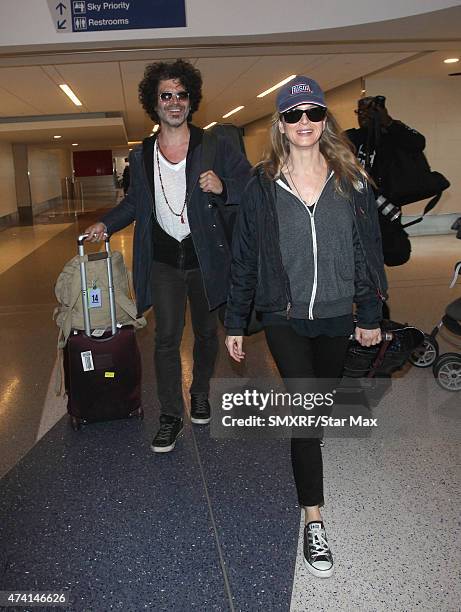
107,255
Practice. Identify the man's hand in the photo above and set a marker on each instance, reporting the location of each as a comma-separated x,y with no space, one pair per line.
96,232
235,347
210,183
367,337
384,118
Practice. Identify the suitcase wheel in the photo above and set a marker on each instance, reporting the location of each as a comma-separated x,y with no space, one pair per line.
75,423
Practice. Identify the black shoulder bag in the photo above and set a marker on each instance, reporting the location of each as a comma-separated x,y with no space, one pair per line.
410,179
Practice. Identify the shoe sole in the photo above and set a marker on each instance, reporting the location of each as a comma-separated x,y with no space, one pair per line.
197,421
165,449
318,573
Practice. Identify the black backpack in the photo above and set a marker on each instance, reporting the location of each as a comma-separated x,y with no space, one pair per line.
409,179
227,214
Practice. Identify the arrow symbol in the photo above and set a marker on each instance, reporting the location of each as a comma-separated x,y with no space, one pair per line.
62,24
61,7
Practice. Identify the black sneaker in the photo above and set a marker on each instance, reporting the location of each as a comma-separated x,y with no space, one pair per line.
166,436
200,412
317,554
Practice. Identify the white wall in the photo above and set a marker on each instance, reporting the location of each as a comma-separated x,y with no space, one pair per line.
45,174
257,138
7,185
432,106
342,101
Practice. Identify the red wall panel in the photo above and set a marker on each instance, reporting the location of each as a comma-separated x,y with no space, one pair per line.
92,163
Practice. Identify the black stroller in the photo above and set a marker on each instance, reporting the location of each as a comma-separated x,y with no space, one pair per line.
446,367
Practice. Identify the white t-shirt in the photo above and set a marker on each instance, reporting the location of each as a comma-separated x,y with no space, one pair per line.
174,184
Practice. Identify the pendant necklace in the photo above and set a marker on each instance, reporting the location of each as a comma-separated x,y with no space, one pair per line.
297,191
181,213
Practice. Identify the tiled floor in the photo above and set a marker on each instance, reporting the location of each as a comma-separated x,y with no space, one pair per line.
215,525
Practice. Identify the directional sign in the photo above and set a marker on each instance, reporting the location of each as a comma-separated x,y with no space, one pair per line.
83,16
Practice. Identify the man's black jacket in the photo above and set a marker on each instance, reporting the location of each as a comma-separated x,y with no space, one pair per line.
209,239
258,275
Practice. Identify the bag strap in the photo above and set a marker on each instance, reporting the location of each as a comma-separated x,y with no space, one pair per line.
209,149
429,206
66,325
127,305
379,358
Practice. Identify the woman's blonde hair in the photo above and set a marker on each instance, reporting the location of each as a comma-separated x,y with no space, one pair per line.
335,148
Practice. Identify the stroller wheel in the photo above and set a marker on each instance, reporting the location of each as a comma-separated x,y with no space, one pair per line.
447,371
425,355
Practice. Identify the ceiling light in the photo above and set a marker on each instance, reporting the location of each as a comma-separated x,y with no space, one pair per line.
75,144
68,91
155,128
57,137
451,60
236,110
268,91
210,125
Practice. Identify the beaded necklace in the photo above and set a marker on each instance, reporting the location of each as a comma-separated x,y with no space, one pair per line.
181,213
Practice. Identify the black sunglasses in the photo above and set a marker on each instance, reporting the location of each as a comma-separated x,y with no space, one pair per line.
182,96
315,114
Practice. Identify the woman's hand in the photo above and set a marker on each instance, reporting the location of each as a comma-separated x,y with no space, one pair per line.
235,347
368,337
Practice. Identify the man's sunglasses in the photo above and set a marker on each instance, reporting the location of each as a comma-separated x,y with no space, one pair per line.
315,114
182,96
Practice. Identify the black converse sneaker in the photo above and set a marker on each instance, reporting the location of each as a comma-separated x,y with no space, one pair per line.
200,413
317,554
166,436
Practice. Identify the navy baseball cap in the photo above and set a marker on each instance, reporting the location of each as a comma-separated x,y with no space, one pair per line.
301,90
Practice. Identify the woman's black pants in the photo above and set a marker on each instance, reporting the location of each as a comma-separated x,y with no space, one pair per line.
302,357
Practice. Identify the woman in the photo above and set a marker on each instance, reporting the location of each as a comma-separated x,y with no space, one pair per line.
306,247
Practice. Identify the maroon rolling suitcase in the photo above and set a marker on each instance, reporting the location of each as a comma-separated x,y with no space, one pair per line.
102,374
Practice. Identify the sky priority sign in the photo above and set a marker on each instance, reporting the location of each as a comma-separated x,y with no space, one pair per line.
83,16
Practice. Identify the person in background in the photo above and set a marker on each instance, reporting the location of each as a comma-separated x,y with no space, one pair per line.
180,251
126,176
306,247
377,137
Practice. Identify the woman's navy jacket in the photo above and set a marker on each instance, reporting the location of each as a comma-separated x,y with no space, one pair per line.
258,277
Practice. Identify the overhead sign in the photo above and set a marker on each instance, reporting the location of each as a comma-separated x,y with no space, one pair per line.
83,16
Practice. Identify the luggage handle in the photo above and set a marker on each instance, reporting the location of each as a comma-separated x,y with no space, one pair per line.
385,336
84,281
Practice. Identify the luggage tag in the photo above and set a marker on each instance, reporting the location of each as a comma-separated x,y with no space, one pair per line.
98,333
87,361
94,297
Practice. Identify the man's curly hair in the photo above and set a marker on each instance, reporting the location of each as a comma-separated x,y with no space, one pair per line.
188,76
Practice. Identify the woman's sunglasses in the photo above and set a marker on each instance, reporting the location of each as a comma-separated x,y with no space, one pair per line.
182,96
315,114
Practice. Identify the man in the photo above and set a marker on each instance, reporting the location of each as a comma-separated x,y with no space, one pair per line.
180,250
126,176
378,136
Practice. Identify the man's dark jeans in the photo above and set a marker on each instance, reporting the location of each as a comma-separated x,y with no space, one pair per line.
171,287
